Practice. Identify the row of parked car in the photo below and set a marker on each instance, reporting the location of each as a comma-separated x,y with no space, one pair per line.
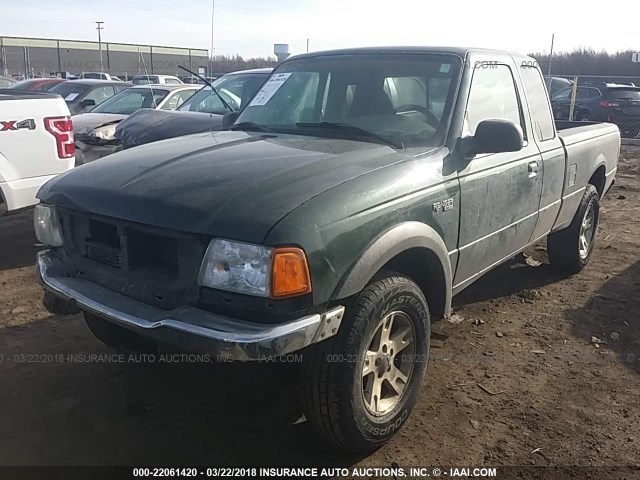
597,101
87,119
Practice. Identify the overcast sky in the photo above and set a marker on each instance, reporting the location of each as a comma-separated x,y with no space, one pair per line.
251,27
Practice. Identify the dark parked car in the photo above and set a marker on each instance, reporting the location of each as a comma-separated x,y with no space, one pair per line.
335,218
84,95
37,84
609,102
555,84
94,131
201,113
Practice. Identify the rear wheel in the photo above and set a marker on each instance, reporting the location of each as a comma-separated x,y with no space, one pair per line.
360,386
117,337
570,249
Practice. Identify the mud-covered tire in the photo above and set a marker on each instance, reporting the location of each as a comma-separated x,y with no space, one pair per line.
332,376
117,337
564,246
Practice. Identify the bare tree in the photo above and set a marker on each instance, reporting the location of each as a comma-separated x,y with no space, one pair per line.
586,61
232,63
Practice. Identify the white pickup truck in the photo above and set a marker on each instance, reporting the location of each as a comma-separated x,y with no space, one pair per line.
36,144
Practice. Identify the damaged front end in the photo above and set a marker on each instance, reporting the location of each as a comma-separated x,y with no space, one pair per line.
95,142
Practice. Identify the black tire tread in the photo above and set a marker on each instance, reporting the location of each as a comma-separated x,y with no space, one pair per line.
319,392
562,247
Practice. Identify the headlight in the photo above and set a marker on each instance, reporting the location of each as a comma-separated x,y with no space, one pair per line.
47,225
238,267
106,133
255,269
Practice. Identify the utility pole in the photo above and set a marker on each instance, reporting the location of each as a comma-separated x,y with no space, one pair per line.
551,54
100,28
211,54
307,45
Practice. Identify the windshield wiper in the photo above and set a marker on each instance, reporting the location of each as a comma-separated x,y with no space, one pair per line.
210,86
353,130
249,127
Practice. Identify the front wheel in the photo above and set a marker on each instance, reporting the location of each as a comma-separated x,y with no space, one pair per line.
360,386
570,249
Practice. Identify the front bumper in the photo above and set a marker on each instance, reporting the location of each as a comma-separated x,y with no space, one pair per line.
189,327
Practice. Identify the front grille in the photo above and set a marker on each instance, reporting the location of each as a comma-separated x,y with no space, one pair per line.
101,253
103,244
151,264
147,251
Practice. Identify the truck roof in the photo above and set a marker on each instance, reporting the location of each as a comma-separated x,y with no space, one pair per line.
458,51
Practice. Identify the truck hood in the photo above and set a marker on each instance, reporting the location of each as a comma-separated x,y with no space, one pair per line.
148,125
231,184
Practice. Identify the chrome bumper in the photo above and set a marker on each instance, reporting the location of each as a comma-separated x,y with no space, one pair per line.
189,327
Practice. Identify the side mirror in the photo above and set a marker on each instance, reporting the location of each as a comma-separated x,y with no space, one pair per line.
87,103
493,136
229,119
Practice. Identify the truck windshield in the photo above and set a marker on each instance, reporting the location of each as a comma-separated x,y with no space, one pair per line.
402,99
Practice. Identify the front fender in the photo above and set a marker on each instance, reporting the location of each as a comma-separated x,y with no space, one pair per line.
399,239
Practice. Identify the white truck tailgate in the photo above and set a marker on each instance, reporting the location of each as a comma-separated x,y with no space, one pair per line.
34,144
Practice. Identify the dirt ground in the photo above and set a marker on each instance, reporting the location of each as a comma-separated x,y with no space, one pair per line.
521,380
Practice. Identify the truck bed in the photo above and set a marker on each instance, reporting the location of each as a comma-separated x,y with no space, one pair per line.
589,147
29,154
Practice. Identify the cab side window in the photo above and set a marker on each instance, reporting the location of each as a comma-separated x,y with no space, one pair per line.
492,96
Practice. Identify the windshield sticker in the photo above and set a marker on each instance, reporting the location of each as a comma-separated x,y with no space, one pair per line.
269,89
445,67
71,97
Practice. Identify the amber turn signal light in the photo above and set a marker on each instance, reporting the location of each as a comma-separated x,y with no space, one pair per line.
290,273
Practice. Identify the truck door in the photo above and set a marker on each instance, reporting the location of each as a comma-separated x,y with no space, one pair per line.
500,193
551,150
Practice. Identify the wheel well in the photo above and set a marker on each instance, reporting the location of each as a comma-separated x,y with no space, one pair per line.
423,267
598,179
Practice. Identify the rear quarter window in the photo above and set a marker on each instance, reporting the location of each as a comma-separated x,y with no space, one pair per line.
538,102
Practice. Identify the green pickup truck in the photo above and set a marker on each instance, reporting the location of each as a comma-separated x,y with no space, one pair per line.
335,216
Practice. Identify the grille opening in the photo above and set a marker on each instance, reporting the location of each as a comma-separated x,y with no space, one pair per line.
103,244
152,252
104,233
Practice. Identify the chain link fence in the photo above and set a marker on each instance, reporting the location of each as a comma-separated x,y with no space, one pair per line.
597,99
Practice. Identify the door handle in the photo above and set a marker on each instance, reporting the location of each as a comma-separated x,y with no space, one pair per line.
533,169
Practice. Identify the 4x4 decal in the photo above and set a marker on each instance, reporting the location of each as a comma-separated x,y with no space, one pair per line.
29,124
